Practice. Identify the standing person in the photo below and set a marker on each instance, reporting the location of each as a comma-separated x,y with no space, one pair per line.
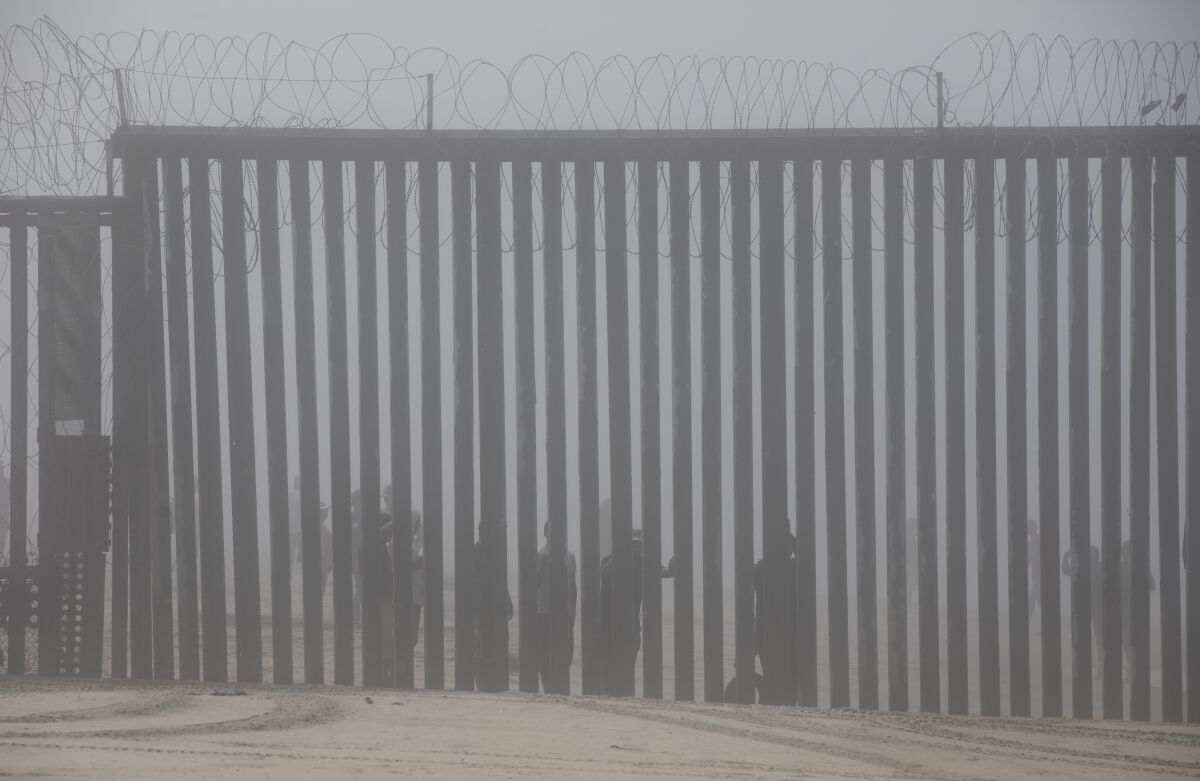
491,650
554,672
775,582
1070,568
613,658
1127,589
326,548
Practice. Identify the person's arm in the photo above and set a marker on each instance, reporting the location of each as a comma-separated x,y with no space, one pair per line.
668,571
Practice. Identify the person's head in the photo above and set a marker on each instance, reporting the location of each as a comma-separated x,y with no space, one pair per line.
416,523
546,530
387,497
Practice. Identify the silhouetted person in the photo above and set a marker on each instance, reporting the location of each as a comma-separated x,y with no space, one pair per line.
491,601
326,548
554,671
616,660
295,536
775,582
1127,590
1070,568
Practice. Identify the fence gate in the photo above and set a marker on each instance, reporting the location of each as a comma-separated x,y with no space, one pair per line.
61,596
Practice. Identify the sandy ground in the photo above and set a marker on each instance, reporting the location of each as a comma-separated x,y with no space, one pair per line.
106,729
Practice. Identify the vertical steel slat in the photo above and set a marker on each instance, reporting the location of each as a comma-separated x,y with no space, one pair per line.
141,647
1110,434
122,237
804,471
651,433
19,446
339,423
431,427
1191,542
743,431
864,434
589,448
247,603
835,429
616,265
158,482
492,474
404,638
896,529
464,428
1048,446
985,436
276,410
181,425
1015,443
562,614
681,372
371,547
778,565
1141,272
527,520
710,435
1166,374
1079,550
956,440
929,643
313,586
210,504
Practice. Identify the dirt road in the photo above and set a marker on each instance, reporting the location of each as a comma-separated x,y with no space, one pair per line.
107,729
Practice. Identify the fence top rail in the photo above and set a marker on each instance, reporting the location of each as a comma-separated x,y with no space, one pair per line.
633,145
27,210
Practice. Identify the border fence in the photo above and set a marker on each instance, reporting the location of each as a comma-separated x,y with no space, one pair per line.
933,367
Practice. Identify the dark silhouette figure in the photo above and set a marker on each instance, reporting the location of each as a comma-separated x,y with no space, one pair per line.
1070,568
775,582
1127,591
491,601
554,672
616,659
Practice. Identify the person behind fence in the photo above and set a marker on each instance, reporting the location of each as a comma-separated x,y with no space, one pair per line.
1070,568
615,660
554,671
775,583
418,562
1127,591
491,600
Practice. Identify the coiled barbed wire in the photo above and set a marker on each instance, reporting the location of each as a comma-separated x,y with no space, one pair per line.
59,93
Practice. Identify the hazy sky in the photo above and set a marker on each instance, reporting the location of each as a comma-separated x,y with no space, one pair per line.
852,33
